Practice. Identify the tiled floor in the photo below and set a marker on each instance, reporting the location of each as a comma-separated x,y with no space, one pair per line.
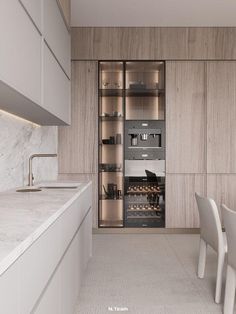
148,274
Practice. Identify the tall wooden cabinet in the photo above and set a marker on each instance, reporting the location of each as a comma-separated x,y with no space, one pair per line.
221,132
185,117
78,142
77,149
221,117
200,135
181,207
185,141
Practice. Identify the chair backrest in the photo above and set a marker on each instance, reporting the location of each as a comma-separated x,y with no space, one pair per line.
210,225
229,217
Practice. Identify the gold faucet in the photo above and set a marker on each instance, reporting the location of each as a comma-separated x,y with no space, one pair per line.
31,177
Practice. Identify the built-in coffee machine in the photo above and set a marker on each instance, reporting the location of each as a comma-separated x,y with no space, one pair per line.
144,140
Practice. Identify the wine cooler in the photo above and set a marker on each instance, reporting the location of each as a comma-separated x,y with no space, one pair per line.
145,201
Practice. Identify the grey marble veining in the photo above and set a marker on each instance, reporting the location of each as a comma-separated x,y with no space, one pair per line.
18,140
25,216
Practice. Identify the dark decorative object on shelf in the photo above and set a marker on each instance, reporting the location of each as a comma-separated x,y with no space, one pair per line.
110,167
111,193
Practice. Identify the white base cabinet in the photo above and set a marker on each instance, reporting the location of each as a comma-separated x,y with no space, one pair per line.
60,296
47,276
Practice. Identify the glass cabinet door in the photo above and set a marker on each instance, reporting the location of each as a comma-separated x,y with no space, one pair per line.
144,90
111,126
131,137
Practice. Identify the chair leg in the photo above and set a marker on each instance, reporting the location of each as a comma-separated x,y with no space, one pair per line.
221,259
202,259
229,290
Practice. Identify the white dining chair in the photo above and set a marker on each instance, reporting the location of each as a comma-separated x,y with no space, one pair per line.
211,234
229,217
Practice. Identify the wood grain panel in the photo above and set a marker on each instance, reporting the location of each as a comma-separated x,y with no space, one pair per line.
137,43
181,207
107,43
164,43
222,189
212,43
77,148
221,117
76,177
185,117
82,43
65,7
173,43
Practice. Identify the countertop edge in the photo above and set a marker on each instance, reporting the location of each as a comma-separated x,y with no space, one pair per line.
25,244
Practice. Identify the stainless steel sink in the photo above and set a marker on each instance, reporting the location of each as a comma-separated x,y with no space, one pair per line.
29,190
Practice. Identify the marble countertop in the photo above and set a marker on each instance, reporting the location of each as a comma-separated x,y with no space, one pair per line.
25,216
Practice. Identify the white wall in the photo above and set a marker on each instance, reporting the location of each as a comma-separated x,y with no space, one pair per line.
18,140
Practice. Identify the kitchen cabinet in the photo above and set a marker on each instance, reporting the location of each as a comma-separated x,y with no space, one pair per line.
68,276
34,9
131,139
222,187
181,207
20,53
77,149
77,177
66,8
56,87
34,84
56,34
185,117
153,43
9,289
46,277
221,117
38,262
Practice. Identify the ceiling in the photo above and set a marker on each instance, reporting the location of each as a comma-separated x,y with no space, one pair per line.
99,13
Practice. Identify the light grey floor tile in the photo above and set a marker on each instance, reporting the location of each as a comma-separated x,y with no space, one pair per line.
148,274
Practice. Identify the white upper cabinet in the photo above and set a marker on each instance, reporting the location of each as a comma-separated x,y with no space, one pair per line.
20,51
56,87
34,9
34,80
56,34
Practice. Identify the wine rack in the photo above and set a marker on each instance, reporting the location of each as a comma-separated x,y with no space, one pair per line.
144,202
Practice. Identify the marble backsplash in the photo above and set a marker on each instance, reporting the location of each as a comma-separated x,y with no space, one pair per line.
18,140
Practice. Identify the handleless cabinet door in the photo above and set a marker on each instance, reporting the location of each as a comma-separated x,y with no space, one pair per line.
34,8
185,117
20,51
221,117
56,88
222,187
66,8
78,143
56,34
181,207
